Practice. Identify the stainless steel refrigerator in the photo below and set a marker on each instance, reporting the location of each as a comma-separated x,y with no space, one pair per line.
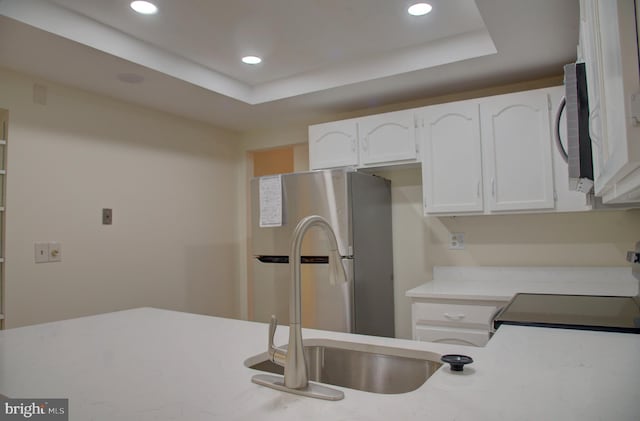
358,208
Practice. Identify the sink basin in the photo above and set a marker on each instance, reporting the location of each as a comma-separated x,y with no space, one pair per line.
363,367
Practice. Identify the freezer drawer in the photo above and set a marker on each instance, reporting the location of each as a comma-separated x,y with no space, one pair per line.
324,306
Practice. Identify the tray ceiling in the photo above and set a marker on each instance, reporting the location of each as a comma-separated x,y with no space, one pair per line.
319,56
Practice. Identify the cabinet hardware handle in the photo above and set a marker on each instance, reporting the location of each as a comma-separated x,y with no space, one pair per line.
454,316
493,187
478,189
365,144
452,341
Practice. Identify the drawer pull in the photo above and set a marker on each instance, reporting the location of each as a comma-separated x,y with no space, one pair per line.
459,316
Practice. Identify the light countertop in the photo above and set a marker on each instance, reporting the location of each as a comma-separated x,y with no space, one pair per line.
502,283
150,364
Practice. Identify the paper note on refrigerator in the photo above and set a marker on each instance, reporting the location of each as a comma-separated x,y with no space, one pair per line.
271,201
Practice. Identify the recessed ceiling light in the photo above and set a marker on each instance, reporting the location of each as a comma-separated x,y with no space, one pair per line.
419,9
144,7
251,60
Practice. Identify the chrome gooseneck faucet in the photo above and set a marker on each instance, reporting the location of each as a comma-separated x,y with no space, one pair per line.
295,367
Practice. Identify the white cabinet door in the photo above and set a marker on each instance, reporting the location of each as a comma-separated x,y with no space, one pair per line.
516,136
590,47
615,54
452,158
333,144
388,137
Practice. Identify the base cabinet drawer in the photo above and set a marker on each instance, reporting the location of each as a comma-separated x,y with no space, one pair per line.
457,336
459,314
454,321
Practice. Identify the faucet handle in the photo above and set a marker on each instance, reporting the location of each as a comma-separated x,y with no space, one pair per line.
276,355
273,324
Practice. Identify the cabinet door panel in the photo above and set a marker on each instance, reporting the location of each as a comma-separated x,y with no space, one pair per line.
516,134
451,159
615,27
590,45
387,137
333,144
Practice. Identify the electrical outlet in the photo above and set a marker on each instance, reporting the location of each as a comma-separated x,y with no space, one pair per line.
456,241
41,252
55,251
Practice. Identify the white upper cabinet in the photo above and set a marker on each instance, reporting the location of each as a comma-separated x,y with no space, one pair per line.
485,155
588,49
333,144
377,140
608,44
491,155
388,137
452,158
516,138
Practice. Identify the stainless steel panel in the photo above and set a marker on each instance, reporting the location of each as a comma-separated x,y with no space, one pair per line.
270,291
323,193
324,306
373,255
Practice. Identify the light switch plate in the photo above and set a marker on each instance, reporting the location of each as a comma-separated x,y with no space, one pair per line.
41,252
107,216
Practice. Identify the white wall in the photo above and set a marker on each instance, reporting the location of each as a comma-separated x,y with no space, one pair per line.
174,239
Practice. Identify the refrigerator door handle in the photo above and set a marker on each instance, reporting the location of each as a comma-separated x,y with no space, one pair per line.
285,259
273,259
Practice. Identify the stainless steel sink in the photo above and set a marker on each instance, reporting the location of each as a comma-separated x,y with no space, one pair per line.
363,367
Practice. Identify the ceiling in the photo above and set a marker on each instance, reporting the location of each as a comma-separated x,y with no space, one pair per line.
320,57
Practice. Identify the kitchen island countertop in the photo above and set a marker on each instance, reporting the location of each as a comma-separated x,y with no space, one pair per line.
150,364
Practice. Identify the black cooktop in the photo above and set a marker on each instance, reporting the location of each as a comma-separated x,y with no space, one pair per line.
585,312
